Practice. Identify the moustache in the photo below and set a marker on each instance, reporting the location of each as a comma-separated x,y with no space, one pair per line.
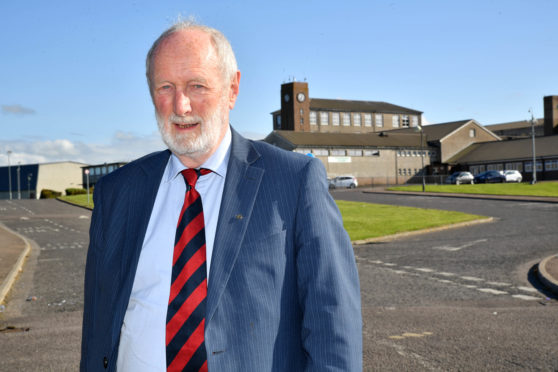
173,118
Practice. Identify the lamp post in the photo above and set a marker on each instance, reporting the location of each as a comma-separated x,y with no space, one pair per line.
29,175
534,181
421,156
18,181
9,174
87,177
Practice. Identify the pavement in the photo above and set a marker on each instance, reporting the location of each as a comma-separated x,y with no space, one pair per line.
14,248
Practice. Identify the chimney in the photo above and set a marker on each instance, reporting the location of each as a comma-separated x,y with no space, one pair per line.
550,115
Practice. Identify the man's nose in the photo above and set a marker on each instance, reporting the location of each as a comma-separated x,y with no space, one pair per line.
181,104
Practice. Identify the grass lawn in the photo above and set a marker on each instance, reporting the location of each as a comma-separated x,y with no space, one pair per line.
539,189
80,200
365,220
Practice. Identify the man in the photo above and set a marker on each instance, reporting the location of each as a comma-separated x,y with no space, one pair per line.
277,281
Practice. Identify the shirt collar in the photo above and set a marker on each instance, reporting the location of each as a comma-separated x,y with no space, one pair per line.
217,162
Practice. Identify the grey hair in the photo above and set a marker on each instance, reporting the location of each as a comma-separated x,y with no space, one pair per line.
222,47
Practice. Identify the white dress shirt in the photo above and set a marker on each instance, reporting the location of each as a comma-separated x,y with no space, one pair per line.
142,337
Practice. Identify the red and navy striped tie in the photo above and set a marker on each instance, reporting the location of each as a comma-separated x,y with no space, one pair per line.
186,310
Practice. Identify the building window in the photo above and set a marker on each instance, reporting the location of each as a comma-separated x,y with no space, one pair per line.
335,118
399,171
405,121
301,117
367,120
518,166
371,152
472,133
551,165
324,118
379,120
346,119
414,121
354,152
320,152
356,119
337,152
395,121
302,151
313,118
278,121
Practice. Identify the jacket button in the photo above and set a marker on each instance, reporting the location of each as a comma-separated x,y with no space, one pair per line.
105,362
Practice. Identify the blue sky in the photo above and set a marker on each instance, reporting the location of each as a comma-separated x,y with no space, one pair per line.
72,83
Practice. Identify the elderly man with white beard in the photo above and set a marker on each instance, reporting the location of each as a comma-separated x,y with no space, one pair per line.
220,253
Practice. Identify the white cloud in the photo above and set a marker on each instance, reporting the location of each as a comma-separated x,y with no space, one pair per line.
123,147
17,110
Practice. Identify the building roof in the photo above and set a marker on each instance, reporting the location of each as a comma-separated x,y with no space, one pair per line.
435,132
313,139
514,125
362,106
486,152
357,106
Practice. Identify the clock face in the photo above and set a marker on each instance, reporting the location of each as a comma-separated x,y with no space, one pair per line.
300,97
287,98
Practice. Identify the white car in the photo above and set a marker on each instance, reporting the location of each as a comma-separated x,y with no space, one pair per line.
343,181
512,176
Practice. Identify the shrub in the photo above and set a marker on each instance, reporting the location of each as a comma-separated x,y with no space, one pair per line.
74,191
50,194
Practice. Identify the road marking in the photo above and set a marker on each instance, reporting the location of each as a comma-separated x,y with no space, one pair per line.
491,291
526,298
82,217
424,270
472,279
445,274
24,218
389,264
527,289
410,335
458,248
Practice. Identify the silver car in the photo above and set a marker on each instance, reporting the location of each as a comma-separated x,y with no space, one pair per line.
460,177
343,182
513,176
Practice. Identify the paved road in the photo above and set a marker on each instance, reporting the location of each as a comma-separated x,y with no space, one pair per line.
460,299
52,280
457,299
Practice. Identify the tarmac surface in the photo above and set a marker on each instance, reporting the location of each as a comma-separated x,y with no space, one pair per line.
14,248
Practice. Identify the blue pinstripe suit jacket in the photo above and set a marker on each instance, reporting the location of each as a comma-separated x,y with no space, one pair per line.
283,288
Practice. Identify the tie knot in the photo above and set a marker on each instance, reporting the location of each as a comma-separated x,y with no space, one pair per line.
191,175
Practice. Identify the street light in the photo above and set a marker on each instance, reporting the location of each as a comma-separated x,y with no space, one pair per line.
9,174
29,175
534,156
421,156
18,181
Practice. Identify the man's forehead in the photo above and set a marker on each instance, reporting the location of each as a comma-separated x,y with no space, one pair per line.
192,40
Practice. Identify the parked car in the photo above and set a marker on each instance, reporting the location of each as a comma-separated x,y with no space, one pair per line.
460,177
513,176
343,181
489,177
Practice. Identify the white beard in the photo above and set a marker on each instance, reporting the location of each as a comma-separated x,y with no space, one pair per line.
187,144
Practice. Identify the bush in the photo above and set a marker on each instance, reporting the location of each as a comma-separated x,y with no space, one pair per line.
49,194
74,191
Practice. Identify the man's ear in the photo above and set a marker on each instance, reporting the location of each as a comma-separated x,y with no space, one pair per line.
234,90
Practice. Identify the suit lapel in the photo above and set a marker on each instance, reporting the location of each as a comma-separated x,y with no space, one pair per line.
241,187
140,205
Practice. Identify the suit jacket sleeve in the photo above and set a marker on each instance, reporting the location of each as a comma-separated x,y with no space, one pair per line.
329,290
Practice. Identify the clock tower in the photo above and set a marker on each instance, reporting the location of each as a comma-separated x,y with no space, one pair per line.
295,107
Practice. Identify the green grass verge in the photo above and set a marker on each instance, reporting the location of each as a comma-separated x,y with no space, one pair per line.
80,200
526,189
365,220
